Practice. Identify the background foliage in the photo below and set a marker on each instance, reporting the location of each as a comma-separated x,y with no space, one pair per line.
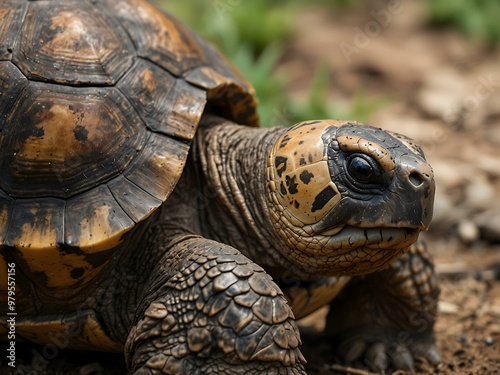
252,34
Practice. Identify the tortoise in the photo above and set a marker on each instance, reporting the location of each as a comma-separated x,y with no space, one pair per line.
143,210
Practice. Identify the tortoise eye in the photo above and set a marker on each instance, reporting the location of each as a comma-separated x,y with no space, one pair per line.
360,169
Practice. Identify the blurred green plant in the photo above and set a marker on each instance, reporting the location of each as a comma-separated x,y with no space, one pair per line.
229,23
477,19
252,35
316,104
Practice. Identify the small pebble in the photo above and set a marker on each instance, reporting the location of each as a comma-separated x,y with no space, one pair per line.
489,341
462,339
467,231
488,223
447,307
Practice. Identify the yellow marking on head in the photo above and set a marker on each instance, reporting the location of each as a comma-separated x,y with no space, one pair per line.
376,151
299,178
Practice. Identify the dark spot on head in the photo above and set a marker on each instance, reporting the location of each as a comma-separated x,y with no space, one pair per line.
322,198
285,140
310,157
81,134
291,184
302,161
297,204
301,142
283,189
76,273
280,164
305,177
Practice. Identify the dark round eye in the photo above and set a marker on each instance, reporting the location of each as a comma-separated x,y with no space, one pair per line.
360,169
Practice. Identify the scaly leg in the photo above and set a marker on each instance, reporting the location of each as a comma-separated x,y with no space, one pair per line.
211,310
387,318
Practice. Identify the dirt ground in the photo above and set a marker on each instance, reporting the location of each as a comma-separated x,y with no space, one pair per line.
442,90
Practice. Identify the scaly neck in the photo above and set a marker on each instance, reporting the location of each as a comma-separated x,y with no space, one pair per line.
234,209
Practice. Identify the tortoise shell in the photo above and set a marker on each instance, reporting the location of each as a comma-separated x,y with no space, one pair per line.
98,104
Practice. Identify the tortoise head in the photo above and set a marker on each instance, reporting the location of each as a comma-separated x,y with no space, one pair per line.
347,199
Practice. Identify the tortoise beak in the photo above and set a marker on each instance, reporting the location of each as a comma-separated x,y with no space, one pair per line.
417,183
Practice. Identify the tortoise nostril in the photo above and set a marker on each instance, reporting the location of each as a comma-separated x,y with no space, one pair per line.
416,179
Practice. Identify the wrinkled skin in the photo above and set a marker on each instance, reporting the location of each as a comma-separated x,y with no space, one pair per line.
214,306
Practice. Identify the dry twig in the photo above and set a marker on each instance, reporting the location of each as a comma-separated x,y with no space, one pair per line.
350,370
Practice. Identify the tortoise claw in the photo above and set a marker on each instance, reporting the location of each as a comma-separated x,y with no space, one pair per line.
433,356
429,351
376,356
401,358
351,350
380,348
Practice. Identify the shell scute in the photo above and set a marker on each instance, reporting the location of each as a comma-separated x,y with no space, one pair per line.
11,13
72,42
57,141
159,38
12,82
167,104
158,167
36,223
95,213
136,202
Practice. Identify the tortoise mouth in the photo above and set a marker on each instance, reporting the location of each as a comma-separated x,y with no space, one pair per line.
346,238
350,250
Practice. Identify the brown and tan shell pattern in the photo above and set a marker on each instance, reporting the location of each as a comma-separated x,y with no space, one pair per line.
98,104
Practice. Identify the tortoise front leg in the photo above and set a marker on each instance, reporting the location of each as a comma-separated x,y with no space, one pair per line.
211,310
387,318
